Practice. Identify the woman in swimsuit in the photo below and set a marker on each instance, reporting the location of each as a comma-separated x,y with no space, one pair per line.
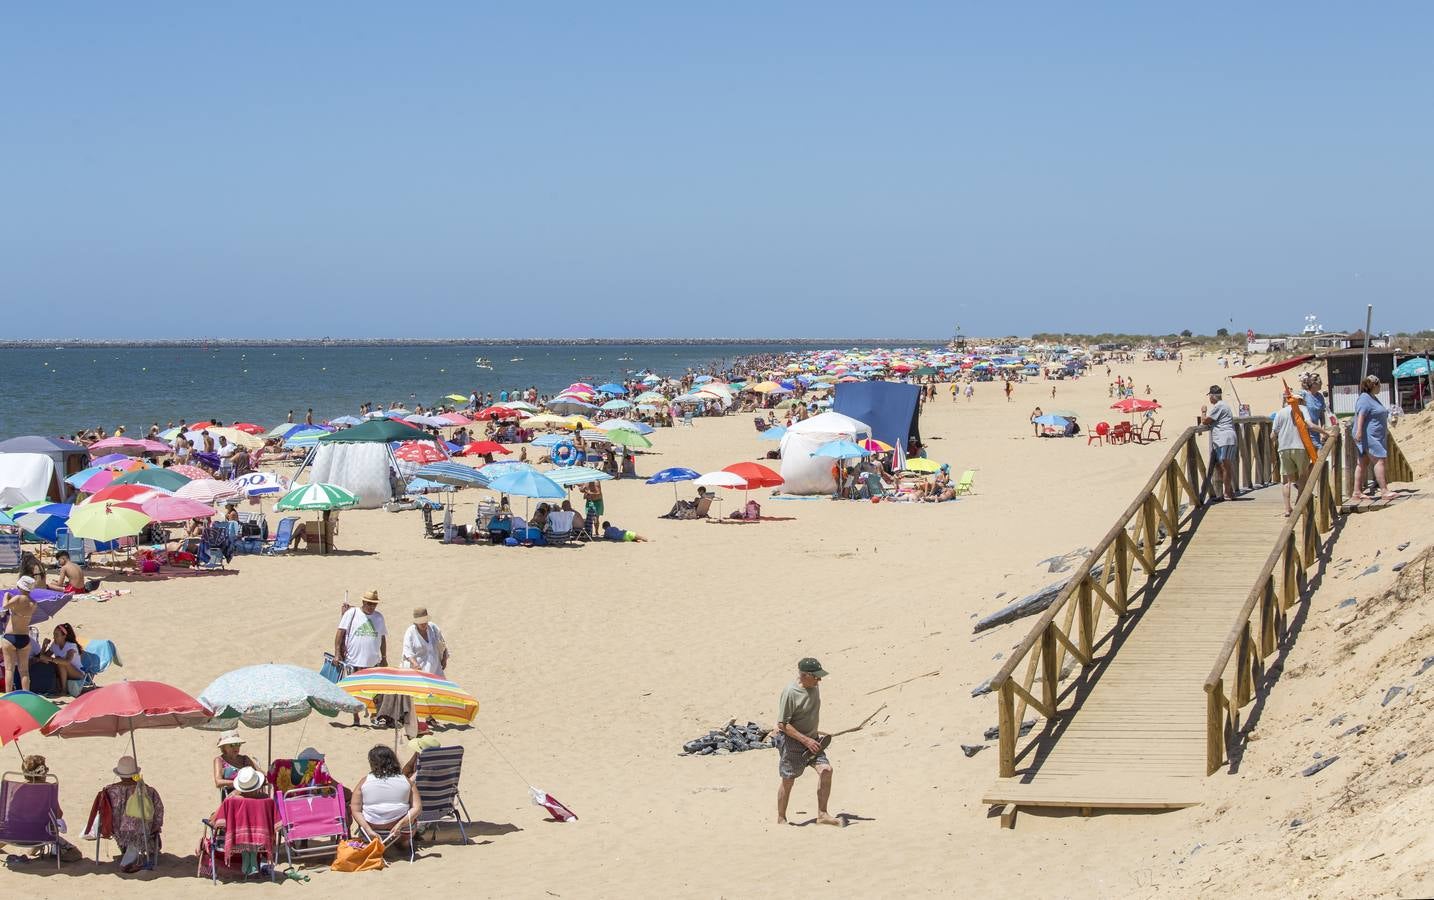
19,608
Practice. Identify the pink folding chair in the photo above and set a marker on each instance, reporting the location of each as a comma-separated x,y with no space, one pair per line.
313,820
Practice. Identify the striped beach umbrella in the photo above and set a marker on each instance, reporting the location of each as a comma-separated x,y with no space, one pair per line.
577,475
317,496
452,473
433,697
22,712
42,519
208,491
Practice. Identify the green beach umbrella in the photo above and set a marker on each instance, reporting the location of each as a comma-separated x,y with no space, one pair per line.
624,438
317,496
160,478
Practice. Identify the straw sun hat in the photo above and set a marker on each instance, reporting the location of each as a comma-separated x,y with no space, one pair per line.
371,597
229,738
126,767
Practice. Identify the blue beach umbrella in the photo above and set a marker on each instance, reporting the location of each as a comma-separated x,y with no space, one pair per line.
451,473
841,450
1412,368
674,474
612,389
528,483
420,485
5,518
498,468
346,420
549,440
41,519
615,404
1052,419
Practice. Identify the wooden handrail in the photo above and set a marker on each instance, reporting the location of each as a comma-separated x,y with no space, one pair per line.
1130,541
1314,512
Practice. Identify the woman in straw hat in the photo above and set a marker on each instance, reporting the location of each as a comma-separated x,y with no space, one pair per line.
229,761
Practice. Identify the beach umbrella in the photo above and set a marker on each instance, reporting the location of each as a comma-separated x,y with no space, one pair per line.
419,452
122,493
208,491
1051,419
546,419
175,509
22,712
575,422
433,697
549,440
649,397
94,478
346,420
521,406
248,428
1134,405
483,448
528,483
303,439
501,467
614,405
576,475
621,437
42,519
721,478
5,518
166,479
107,521
840,450
190,472
452,474
876,446
614,424
922,464
495,412
754,475
434,421
456,398
454,418
1412,368
272,694
316,496
569,405
772,434
610,388
673,475
128,446
48,603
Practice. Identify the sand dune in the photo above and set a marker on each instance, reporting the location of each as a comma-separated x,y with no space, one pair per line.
595,664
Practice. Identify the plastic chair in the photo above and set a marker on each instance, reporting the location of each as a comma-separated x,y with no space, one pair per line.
1098,434
968,478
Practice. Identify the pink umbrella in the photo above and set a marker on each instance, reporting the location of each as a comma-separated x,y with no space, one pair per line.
419,452
190,472
208,491
175,509
117,444
456,419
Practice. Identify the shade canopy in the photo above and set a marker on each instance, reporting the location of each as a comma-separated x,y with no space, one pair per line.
377,431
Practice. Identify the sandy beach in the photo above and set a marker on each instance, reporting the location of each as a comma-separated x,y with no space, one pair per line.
594,664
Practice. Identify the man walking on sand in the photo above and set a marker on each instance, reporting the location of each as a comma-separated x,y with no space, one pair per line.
798,741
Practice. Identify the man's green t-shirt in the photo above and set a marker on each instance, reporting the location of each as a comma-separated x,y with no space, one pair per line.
800,707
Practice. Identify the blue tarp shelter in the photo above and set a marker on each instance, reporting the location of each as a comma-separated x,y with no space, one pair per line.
890,409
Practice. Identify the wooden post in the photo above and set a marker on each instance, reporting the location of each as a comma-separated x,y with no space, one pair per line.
1008,816
1050,668
1337,458
1214,727
1242,669
1009,727
1172,499
1152,531
1289,589
1122,571
1087,617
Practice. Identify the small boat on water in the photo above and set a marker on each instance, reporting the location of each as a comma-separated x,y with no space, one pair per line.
483,362
516,359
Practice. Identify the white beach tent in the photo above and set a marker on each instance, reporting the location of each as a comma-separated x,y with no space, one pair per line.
360,469
26,477
805,474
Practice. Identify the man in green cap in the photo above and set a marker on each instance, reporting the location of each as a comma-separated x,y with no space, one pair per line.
798,741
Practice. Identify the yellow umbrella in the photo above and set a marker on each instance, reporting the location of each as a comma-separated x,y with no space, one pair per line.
456,398
578,422
106,521
922,464
765,387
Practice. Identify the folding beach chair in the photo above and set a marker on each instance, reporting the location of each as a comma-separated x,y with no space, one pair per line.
963,486
9,551
436,776
283,536
27,813
211,846
77,547
687,418
1153,432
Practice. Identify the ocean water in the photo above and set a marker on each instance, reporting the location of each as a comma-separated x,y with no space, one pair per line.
54,391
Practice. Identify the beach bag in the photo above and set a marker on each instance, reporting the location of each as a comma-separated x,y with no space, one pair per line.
356,856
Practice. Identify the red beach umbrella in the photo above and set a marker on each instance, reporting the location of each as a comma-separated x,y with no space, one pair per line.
1134,405
125,493
421,452
496,412
123,708
756,475
480,448
248,428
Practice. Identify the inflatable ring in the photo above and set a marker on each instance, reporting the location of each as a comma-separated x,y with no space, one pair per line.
565,454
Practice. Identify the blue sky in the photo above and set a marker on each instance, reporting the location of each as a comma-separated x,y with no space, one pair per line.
366,170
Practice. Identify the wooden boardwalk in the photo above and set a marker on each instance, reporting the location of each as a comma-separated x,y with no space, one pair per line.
1135,733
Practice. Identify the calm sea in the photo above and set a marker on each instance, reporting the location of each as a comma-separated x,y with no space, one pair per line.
51,391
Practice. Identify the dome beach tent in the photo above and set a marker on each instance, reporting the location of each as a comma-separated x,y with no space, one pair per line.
807,474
